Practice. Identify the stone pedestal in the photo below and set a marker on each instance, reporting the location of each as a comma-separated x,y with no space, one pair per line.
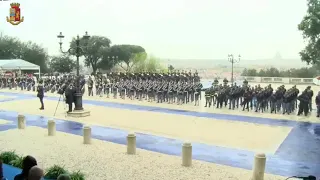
79,113
259,166
21,122
51,128
86,135
131,143
186,154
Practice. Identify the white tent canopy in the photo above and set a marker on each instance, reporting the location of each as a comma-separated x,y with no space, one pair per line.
17,64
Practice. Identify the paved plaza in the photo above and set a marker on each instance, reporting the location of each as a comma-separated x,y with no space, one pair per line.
224,142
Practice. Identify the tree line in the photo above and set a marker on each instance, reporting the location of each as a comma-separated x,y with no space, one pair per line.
13,48
305,72
310,29
99,54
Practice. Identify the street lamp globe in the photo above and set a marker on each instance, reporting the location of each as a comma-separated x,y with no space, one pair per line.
86,36
60,36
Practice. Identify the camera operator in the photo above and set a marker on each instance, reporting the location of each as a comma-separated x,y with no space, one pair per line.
69,93
40,93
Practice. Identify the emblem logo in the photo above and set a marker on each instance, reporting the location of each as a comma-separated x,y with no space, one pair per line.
15,14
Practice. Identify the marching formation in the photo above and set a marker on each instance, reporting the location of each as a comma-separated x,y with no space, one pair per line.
177,87
259,99
23,82
180,88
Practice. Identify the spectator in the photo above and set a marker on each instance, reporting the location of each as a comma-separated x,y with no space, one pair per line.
27,164
64,177
318,104
35,173
1,172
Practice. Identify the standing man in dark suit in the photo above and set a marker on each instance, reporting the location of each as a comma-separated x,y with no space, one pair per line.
40,93
70,91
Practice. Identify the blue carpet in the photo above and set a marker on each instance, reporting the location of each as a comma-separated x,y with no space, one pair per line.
299,154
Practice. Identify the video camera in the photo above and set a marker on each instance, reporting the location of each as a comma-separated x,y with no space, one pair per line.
62,89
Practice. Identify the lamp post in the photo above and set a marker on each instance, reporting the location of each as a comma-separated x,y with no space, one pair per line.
78,51
233,60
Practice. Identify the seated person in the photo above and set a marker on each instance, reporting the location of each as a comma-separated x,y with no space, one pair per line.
35,173
27,164
64,177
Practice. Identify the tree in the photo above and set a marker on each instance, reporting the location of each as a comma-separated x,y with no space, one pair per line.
304,72
126,55
153,65
13,48
62,64
35,54
310,28
10,47
272,72
252,72
170,68
262,73
245,72
142,63
108,61
93,50
249,72
111,57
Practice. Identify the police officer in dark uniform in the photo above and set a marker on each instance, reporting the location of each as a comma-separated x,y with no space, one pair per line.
304,103
310,95
70,91
90,87
40,94
208,94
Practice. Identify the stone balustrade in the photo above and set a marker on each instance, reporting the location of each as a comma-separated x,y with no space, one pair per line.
282,80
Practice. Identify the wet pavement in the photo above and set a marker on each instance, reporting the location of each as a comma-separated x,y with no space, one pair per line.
299,154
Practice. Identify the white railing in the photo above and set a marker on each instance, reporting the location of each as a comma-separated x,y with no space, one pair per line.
284,80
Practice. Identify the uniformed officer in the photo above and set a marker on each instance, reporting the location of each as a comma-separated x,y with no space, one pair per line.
304,103
40,94
90,86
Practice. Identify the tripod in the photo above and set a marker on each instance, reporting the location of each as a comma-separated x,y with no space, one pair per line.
58,105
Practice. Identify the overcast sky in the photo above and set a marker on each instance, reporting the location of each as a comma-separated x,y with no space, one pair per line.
182,29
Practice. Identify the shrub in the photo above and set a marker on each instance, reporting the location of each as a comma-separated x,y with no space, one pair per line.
54,171
17,162
8,156
77,176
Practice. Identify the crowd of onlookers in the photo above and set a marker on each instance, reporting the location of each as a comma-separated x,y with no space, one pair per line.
30,171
